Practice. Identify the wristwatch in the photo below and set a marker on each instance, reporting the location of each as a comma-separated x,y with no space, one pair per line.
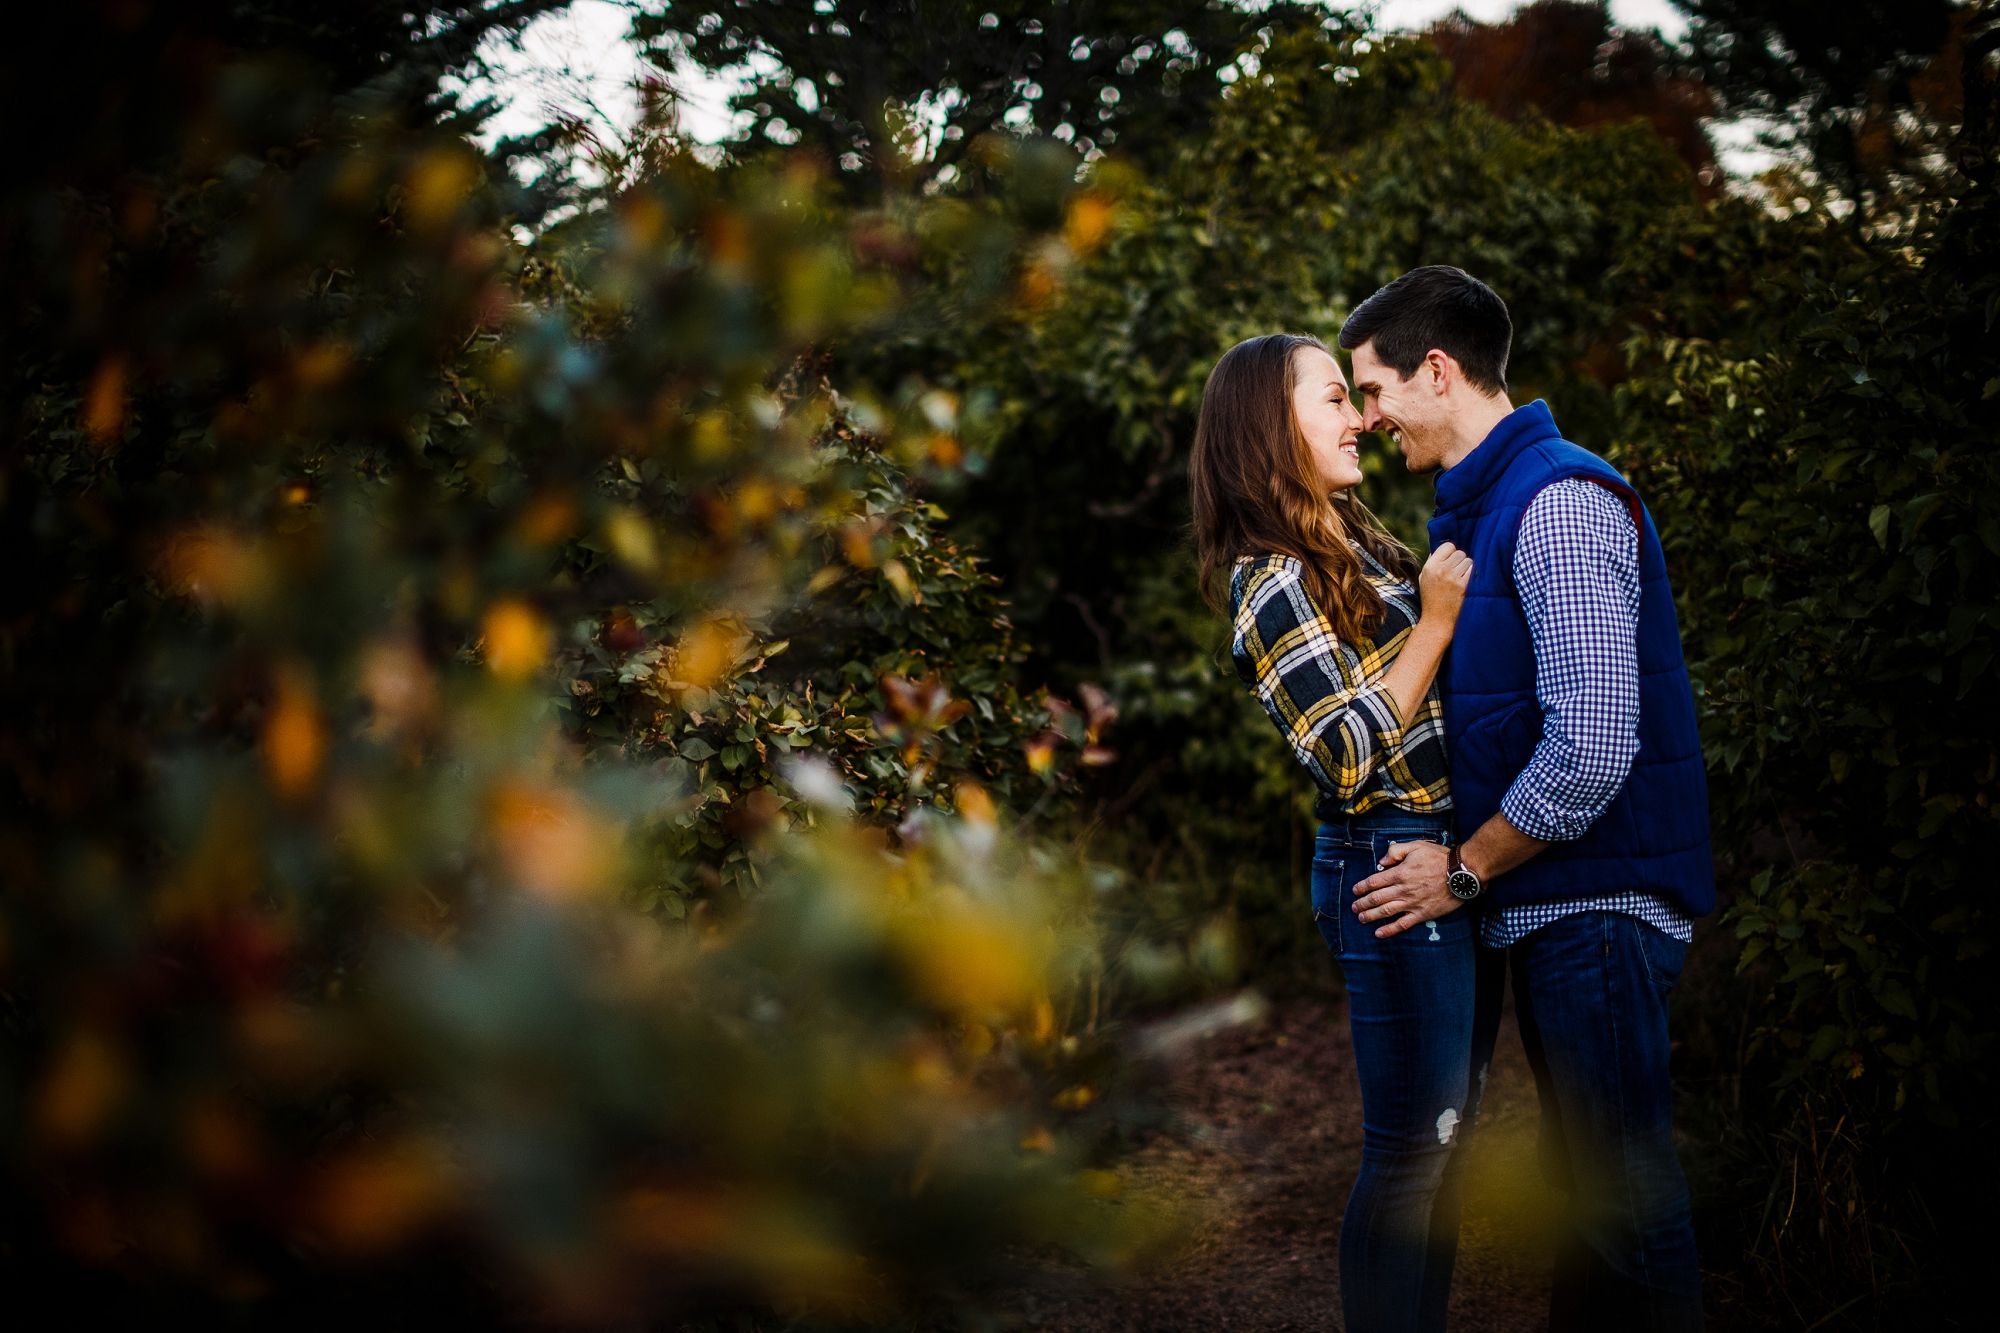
1464,885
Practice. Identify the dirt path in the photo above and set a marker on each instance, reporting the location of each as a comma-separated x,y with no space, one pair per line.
1264,1141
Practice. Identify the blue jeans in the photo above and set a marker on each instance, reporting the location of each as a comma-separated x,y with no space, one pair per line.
1410,1005
1590,994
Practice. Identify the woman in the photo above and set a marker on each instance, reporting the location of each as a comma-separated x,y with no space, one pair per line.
1342,652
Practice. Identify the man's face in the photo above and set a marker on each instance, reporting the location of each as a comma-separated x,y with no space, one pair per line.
1409,411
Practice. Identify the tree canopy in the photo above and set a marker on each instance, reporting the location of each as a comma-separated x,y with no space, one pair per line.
900,93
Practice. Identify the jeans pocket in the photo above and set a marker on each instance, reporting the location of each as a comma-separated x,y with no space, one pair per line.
1332,873
1389,836
1329,879
1664,955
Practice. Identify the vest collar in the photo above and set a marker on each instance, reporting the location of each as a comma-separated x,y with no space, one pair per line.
1462,486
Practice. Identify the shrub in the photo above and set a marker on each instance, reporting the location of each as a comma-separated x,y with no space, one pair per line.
396,619
1820,452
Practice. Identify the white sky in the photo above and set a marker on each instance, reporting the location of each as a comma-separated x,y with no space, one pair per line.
580,61
1625,13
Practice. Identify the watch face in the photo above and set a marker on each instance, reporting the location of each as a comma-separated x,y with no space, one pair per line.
1463,884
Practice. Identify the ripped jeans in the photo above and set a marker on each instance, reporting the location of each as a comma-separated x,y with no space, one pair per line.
1410,1002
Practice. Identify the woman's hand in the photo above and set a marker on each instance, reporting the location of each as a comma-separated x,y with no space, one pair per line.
1442,584
1442,587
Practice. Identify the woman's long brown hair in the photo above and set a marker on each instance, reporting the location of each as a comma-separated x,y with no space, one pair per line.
1258,492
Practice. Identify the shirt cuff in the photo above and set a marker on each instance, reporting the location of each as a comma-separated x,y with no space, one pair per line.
1528,809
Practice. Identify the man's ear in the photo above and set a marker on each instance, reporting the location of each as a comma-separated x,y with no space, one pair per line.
1442,368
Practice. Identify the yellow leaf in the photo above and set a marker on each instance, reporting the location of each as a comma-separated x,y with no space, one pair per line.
517,639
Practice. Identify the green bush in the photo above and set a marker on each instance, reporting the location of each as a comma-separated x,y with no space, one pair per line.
1819,449
1335,160
408,636
1824,477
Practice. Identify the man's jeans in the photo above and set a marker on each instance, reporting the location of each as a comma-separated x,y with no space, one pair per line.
1411,1007
1590,993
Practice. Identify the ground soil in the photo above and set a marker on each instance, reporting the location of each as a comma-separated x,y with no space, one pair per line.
1258,1154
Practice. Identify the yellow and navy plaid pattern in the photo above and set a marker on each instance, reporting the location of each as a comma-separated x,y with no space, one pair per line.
1326,695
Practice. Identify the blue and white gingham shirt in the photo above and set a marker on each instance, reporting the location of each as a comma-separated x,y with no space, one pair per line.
1576,563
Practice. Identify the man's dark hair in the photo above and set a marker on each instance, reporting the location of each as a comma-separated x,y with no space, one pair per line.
1442,307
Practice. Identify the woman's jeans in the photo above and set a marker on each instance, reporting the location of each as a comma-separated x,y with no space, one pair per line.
1410,1001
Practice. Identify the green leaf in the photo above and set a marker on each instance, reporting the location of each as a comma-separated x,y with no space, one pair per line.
1878,524
1897,1001
697,749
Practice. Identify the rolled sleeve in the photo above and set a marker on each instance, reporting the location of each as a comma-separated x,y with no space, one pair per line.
1576,563
1370,729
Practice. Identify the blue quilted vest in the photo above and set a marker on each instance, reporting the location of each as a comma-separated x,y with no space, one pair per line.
1654,836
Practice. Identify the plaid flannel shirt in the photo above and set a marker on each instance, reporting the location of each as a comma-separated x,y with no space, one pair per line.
1327,696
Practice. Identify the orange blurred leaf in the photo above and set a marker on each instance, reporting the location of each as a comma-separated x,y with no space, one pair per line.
81,1090
375,1198
517,639
551,843
212,564
704,654
547,519
975,805
294,741
1089,218
104,401
1074,1099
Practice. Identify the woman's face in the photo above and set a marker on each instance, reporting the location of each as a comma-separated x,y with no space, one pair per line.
1327,418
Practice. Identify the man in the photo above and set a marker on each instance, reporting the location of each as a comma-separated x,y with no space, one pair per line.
1577,774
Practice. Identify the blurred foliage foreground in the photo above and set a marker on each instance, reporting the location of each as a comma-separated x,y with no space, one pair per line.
456,707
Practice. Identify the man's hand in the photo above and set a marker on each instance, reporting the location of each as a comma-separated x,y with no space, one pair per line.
1409,887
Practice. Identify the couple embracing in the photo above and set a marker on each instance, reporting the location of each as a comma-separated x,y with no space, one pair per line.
1510,783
